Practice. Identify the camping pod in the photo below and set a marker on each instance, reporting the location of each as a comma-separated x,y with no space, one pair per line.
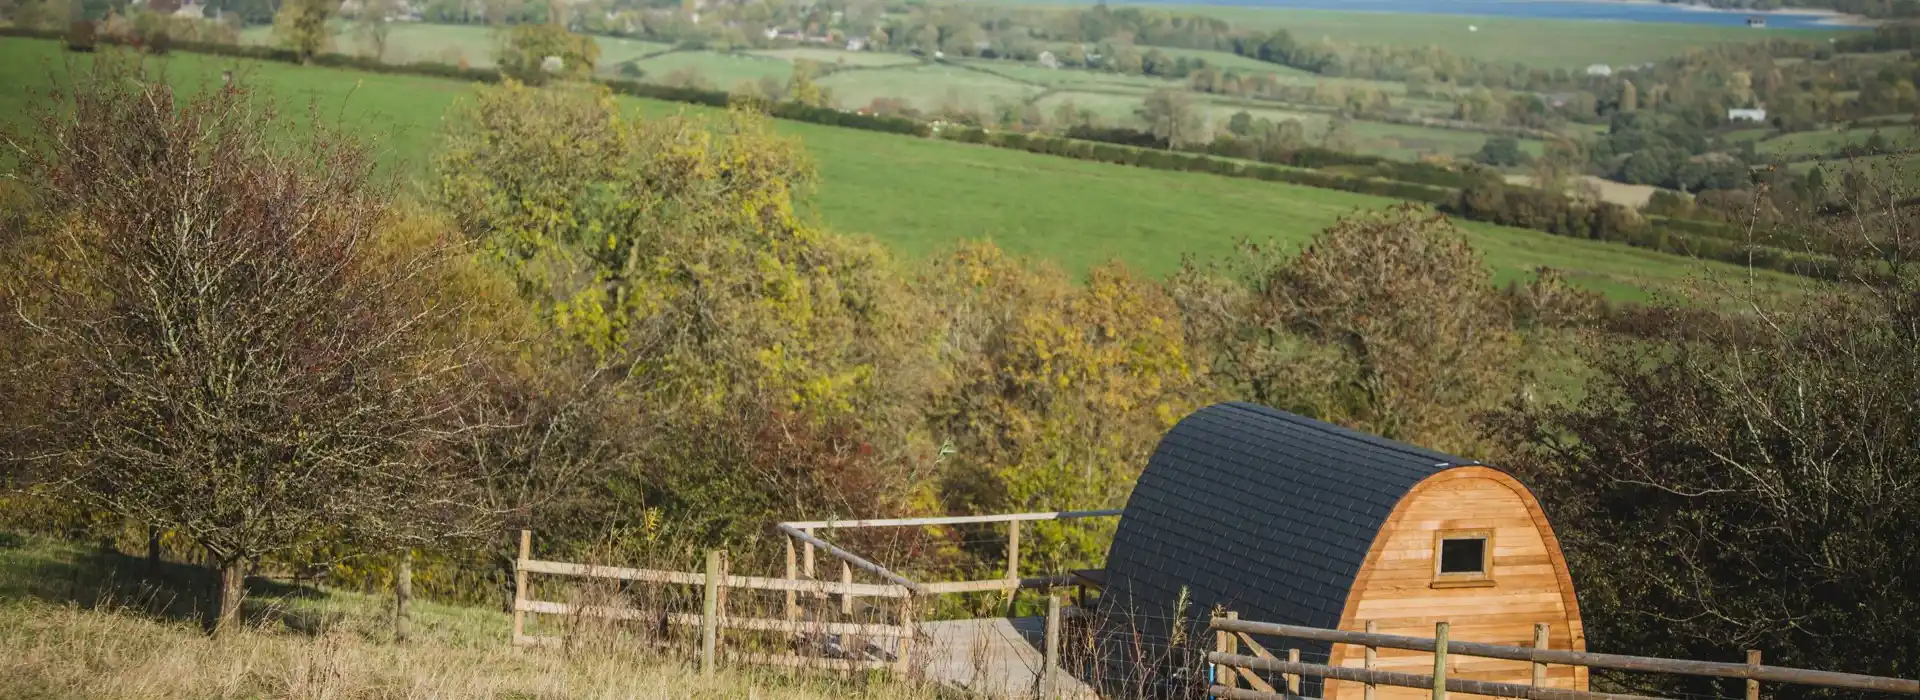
1280,518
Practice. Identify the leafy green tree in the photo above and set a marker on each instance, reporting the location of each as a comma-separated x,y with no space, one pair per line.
1501,151
802,89
529,53
1169,116
1240,124
301,26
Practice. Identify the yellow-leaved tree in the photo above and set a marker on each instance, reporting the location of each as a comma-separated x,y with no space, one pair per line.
1061,390
778,361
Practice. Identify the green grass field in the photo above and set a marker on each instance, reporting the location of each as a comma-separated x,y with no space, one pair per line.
919,195
836,56
927,87
1536,42
1825,141
723,70
411,42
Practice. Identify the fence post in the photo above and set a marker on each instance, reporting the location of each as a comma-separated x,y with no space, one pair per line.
1372,657
710,614
1293,679
806,562
1226,643
1013,563
793,605
1048,683
900,660
1440,661
1753,663
846,599
520,585
1539,642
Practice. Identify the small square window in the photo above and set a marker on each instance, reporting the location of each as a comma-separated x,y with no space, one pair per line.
1463,555
1462,558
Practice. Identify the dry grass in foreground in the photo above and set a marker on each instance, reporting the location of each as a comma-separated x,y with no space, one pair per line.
56,651
79,622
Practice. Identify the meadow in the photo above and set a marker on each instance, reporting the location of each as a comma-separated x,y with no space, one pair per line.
80,622
919,196
416,42
1543,43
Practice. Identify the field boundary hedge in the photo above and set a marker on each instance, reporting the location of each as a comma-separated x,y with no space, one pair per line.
1483,200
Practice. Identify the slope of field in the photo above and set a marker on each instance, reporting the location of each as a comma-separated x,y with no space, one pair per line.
921,195
415,42
838,57
722,70
1535,42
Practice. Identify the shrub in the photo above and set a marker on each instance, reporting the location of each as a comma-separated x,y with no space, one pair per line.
80,36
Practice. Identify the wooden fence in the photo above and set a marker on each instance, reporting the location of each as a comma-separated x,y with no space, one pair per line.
714,616
803,539
1232,668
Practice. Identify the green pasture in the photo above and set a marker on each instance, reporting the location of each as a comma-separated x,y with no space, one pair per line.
921,195
1546,43
723,70
417,42
927,87
1825,141
839,57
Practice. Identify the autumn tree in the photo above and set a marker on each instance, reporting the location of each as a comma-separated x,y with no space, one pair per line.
671,250
1063,389
302,26
232,351
1387,322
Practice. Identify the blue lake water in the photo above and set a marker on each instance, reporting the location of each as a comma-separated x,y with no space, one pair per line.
1529,9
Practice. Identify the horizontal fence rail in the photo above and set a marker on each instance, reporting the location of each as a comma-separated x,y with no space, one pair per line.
873,590
1404,680
952,519
1754,672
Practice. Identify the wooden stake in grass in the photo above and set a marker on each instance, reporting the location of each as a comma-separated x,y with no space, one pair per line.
403,597
710,614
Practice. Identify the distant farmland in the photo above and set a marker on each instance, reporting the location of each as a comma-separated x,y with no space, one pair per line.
919,195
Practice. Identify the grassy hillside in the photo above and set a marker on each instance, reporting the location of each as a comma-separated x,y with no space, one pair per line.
76,623
921,195
1535,42
447,43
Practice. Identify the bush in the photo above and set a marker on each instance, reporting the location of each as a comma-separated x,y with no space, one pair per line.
80,36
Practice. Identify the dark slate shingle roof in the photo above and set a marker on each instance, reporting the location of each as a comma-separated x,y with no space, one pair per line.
1267,513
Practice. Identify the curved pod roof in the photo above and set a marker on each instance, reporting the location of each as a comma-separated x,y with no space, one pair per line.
1276,517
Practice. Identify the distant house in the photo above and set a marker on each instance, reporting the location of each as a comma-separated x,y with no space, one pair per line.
1600,69
191,10
857,44
1048,61
1755,114
772,32
1756,21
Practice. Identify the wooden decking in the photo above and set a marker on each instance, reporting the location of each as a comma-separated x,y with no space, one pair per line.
993,657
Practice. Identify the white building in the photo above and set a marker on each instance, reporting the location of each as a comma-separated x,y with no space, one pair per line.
1600,69
1747,115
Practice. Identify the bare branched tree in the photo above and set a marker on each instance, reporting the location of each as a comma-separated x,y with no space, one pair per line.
1751,478
230,350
